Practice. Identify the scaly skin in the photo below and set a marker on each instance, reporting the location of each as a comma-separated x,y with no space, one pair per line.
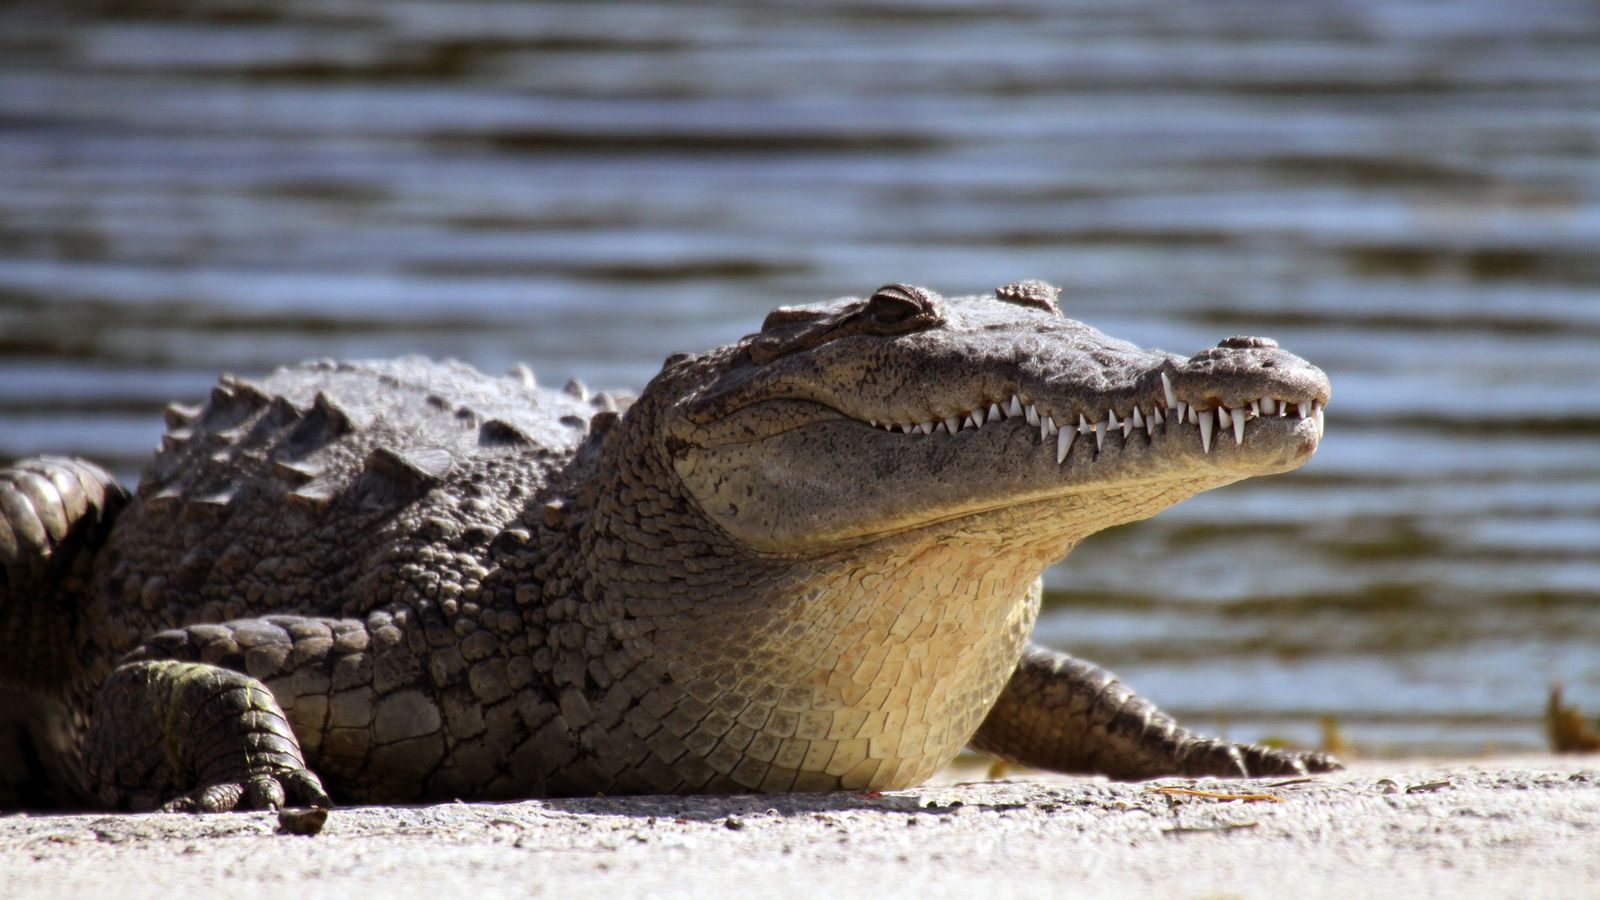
406,581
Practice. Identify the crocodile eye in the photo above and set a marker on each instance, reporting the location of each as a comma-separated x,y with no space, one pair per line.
896,305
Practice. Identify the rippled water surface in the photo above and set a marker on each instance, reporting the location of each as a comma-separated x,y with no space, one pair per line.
1408,195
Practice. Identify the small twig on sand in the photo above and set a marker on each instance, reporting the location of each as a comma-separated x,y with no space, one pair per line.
1201,829
1216,795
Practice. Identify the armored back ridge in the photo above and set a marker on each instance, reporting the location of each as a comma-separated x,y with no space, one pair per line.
805,561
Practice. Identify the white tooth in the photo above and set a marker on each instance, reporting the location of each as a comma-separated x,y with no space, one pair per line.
1033,414
1064,439
978,418
994,412
1283,409
1099,436
1127,427
952,424
1015,409
1238,426
1194,417
970,422
1083,424
1255,407
940,428
1151,423
873,422
1305,408
1223,418
1138,418
1111,420
925,427
1269,405
1317,413
1047,427
1183,412
1156,418
1205,429
888,426
907,428
1166,385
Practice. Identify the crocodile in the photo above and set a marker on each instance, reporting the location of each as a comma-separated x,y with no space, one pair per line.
806,561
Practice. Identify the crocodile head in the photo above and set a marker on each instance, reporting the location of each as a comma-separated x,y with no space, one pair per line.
857,420
847,514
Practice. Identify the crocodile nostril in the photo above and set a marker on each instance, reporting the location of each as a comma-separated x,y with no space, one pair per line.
1241,342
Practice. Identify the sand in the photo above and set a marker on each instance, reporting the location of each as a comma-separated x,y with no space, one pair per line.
1527,827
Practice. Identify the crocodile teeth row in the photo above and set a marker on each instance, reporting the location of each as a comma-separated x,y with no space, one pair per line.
1208,420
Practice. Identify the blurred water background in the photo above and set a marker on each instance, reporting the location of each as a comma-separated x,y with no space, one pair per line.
1406,194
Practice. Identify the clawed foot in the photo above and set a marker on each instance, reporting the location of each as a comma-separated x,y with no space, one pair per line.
1256,761
266,790
167,725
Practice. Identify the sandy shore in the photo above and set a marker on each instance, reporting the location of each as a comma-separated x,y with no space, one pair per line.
1525,827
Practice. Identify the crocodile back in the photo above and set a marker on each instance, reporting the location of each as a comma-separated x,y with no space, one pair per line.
328,489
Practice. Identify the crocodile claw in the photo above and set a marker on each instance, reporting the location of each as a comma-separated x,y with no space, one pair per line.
1256,761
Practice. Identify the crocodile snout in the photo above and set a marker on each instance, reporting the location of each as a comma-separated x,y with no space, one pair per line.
1240,369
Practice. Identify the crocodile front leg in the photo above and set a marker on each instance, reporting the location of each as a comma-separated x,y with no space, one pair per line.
212,713
214,717
194,736
1064,714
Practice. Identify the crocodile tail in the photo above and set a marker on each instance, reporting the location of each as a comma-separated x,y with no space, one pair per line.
55,513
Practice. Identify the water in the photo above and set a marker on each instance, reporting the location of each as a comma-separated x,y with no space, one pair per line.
1408,195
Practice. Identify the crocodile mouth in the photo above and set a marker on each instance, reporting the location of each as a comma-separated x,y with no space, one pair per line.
1208,420
1165,417
799,475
